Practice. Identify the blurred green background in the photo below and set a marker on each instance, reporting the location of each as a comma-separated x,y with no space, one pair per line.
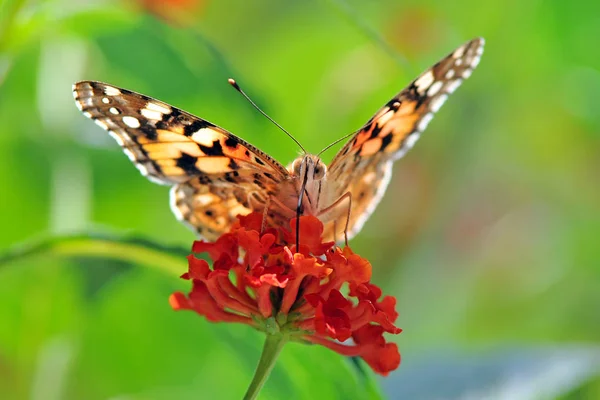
489,234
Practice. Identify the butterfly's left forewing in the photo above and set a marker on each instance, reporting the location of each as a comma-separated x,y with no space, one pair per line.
215,174
363,166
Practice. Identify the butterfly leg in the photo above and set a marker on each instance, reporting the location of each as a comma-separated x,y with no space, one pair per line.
266,204
281,207
265,214
347,195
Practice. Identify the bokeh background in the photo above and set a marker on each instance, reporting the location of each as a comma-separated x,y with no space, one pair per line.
489,234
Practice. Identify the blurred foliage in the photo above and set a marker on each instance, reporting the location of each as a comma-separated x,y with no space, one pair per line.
488,234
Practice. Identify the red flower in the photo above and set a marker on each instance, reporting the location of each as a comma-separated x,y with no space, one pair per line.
173,11
262,280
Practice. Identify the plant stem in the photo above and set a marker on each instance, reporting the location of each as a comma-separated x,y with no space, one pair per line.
271,350
145,253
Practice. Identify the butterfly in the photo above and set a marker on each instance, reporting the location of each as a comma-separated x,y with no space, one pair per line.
216,176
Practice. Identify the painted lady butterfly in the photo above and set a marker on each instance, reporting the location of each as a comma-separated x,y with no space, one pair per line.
215,175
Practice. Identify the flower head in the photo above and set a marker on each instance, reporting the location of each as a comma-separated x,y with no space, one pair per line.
179,12
316,293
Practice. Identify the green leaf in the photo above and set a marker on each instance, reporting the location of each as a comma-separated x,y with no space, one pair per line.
94,22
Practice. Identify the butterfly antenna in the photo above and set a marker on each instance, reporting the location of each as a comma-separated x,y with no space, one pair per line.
334,143
233,83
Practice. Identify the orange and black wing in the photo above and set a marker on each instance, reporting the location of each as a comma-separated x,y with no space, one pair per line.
215,174
363,166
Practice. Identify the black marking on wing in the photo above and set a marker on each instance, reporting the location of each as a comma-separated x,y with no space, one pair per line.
149,131
232,164
232,142
195,126
376,131
215,150
385,141
188,164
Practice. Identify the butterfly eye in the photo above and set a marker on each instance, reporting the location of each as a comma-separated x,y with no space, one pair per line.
319,171
296,165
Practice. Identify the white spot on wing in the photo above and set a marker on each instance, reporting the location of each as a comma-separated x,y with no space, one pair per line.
105,100
385,118
203,199
479,50
450,74
458,53
173,203
425,80
154,115
205,136
86,102
114,111
475,61
399,154
424,121
411,140
101,124
451,86
154,179
117,138
111,91
434,88
370,177
467,73
163,109
437,102
131,156
142,168
131,122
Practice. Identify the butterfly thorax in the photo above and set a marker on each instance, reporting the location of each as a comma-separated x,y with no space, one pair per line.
308,175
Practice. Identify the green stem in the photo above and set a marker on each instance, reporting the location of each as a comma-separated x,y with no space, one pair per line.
170,261
271,350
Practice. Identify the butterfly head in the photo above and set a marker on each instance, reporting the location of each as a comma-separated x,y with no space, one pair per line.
309,167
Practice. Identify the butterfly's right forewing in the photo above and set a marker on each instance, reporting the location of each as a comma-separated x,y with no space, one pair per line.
363,166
